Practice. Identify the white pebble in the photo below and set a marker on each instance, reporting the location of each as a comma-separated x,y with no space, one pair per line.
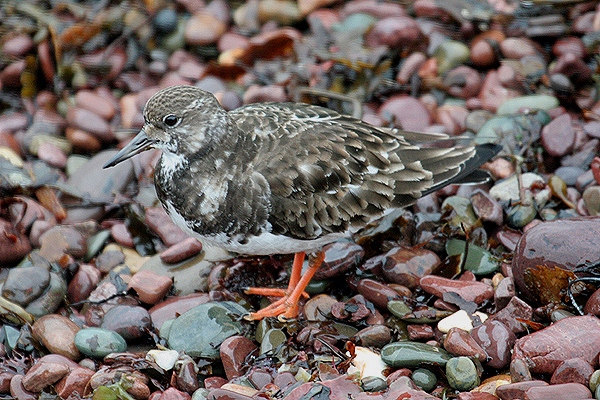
460,319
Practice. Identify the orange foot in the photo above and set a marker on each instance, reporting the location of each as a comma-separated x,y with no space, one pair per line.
287,306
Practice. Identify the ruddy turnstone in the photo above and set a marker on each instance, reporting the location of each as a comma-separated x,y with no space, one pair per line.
275,178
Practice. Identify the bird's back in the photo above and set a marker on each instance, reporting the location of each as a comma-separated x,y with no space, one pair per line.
330,173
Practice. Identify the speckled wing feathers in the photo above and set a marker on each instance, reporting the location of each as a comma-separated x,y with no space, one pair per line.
328,173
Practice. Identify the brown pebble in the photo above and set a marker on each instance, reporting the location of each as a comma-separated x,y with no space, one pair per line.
149,286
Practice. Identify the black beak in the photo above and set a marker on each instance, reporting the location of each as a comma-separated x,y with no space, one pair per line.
141,142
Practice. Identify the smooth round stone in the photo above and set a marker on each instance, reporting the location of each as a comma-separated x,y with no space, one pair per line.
507,191
169,309
23,285
462,212
450,54
129,322
373,384
203,29
201,330
413,354
458,342
460,319
519,371
591,200
406,266
407,113
398,31
461,373
51,299
520,214
57,334
497,340
340,257
233,352
165,21
572,370
479,260
318,308
468,290
577,239
569,174
150,287
376,292
271,340
595,381
530,102
14,245
374,336
424,378
97,342
558,136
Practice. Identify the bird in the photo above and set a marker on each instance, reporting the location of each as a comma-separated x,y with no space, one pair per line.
286,178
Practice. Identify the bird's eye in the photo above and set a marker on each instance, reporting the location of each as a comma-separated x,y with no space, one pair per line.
171,120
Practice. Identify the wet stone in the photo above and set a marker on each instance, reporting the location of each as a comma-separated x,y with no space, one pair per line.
150,287
377,293
97,342
565,391
519,371
573,337
233,352
479,260
374,336
75,383
23,285
160,222
57,334
573,370
538,247
340,257
424,379
44,374
91,122
318,308
107,260
461,373
413,354
558,136
83,283
592,305
14,245
458,342
50,299
486,207
272,339
406,266
406,113
129,322
517,390
497,340
181,251
469,291
201,330
172,307
420,332
18,391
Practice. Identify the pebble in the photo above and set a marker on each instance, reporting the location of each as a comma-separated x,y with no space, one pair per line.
374,336
497,340
169,309
340,257
75,383
233,352
406,266
97,342
479,260
573,337
376,292
406,113
203,29
486,207
517,390
458,342
424,379
529,102
450,54
318,308
558,136
538,247
519,371
44,374
14,245
181,251
130,322
17,390
149,286
591,200
23,285
462,320
573,370
89,121
57,334
565,391
413,354
160,222
96,103
462,374
477,292
201,330
394,32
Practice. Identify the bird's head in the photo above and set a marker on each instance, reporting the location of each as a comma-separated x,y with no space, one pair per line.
182,120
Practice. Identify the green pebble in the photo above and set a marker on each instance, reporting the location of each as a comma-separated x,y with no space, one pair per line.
479,260
461,373
532,102
98,342
413,354
424,378
272,339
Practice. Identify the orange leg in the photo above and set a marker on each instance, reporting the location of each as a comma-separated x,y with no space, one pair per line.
287,306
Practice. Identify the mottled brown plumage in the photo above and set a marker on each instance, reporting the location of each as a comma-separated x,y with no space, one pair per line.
284,177
297,172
